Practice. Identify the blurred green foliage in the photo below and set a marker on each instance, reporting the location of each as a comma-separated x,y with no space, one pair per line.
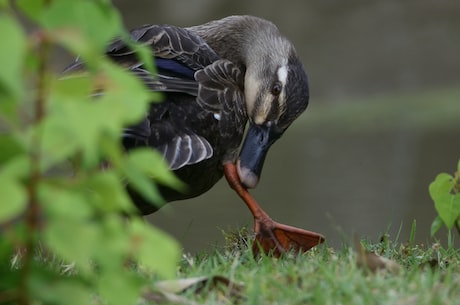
57,200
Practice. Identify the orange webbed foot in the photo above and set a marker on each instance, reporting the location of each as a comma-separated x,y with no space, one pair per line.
275,238
271,237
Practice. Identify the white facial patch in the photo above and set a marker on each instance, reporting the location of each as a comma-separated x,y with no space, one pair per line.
282,74
282,77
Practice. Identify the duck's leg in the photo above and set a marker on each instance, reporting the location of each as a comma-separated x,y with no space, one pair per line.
271,237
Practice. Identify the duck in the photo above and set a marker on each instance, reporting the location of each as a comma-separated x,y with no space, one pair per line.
231,87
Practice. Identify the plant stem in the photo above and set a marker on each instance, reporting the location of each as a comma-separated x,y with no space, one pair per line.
32,216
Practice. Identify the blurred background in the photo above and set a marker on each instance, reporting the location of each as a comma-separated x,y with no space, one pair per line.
383,120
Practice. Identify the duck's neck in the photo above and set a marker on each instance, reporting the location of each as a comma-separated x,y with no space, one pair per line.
244,40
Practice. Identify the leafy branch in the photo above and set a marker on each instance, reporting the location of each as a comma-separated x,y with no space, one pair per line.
32,212
54,137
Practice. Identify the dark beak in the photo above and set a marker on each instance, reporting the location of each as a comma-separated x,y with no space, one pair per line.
252,155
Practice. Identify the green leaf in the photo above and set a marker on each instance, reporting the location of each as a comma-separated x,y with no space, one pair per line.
9,147
119,290
152,163
446,203
60,291
144,168
33,9
108,193
14,198
12,54
112,248
71,88
98,22
77,126
64,203
436,225
124,94
100,239
17,167
4,4
8,108
68,114
154,250
58,139
78,122
12,190
73,240
143,184
143,52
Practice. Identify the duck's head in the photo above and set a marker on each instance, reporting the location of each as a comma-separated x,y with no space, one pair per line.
276,93
276,86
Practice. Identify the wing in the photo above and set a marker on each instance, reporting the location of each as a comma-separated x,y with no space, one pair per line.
178,54
169,42
221,90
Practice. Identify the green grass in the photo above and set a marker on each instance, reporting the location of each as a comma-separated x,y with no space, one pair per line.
428,275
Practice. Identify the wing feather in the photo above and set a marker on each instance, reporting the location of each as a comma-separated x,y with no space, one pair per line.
186,150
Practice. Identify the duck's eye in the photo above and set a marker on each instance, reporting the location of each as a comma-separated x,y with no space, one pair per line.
276,88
